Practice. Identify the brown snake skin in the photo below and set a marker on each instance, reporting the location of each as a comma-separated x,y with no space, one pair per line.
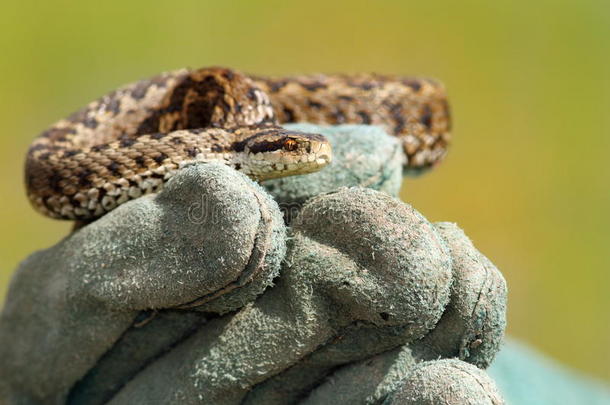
130,141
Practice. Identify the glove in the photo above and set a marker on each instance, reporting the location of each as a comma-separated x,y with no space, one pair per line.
202,294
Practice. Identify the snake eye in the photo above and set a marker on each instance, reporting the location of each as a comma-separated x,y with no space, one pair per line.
290,145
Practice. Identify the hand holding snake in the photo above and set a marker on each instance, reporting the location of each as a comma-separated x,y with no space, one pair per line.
132,140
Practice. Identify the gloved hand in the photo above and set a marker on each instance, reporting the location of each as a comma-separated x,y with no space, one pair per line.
201,294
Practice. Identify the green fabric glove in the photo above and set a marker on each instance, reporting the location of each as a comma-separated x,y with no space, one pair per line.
202,294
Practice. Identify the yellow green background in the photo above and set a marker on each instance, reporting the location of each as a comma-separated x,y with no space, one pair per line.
528,176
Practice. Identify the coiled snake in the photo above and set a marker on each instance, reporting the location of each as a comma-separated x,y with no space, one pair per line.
130,141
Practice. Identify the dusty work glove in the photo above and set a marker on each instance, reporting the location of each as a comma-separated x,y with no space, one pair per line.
170,298
470,329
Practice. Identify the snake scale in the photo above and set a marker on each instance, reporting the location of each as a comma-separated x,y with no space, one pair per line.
130,141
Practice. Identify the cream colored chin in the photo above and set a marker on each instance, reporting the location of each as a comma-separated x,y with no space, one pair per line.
313,163
272,165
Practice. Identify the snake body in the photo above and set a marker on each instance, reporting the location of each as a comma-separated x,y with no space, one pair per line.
132,140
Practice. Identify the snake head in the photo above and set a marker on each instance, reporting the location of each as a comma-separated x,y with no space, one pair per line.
270,153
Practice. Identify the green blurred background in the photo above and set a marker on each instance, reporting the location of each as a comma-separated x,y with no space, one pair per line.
527,178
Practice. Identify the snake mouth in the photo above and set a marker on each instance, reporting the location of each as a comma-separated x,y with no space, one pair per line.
311,156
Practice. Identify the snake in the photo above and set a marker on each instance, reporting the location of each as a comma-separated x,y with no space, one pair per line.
131,141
